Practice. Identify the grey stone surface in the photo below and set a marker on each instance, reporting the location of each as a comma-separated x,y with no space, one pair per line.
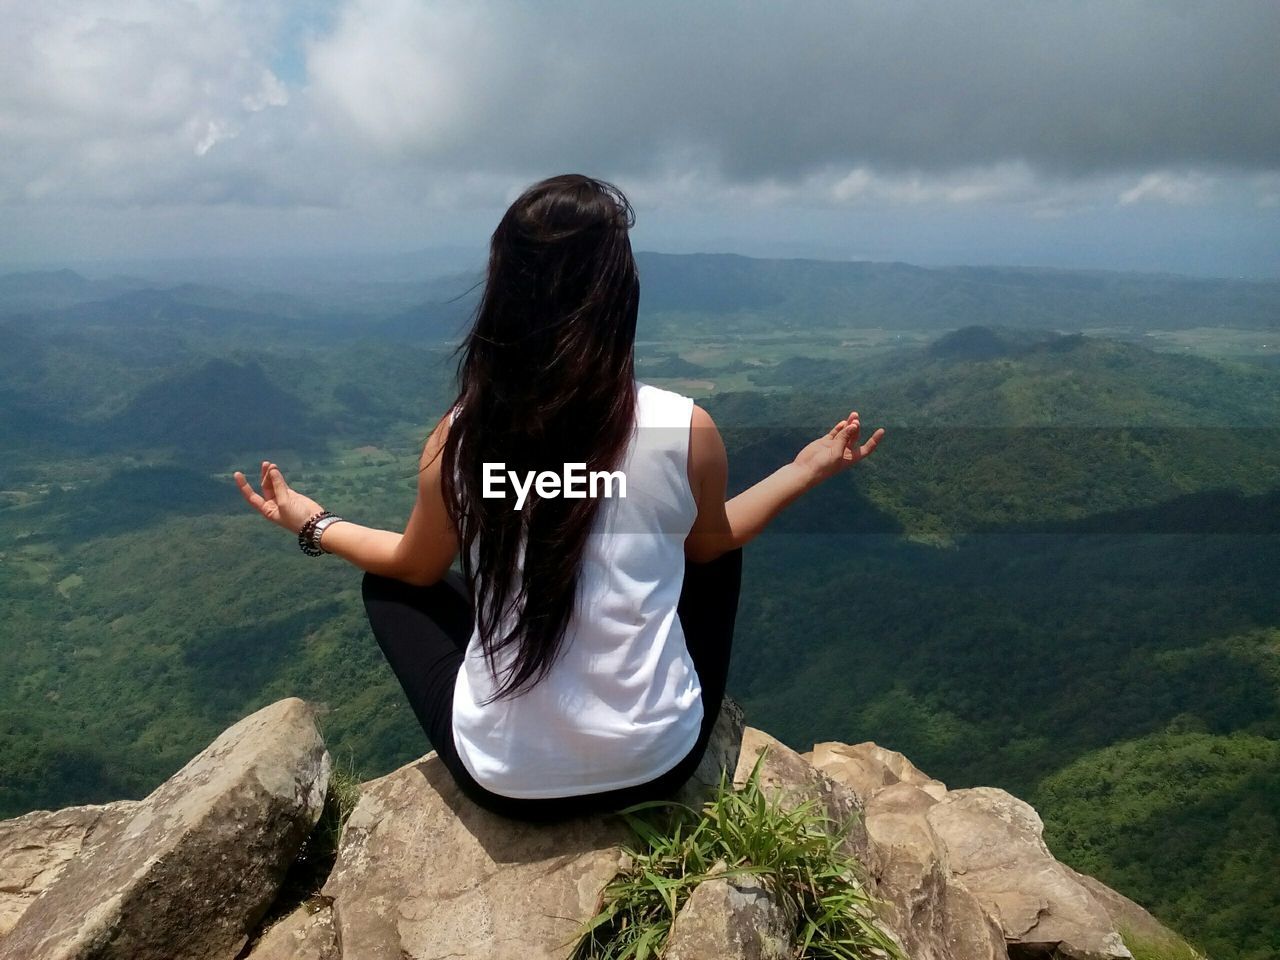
935,919
422,872
969,932
305,934
36,847
188,871
793,780
721,757
735,917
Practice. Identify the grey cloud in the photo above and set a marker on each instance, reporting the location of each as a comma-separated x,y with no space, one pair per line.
167,124
776,90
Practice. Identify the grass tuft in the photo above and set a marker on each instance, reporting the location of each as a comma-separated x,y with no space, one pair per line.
315,858
796,853
321,846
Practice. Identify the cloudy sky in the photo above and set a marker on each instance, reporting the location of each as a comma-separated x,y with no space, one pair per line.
1122,134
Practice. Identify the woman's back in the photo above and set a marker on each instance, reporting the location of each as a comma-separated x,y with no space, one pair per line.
617,647
621,704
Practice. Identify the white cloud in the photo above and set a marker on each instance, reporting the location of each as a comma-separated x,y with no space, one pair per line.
858,182
270,93
1012,183
214,130
408,75
1166,187
994,183
124,101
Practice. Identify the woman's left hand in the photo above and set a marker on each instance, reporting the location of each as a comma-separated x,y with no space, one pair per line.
279,503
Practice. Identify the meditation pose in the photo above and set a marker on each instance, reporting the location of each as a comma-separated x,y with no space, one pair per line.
578,660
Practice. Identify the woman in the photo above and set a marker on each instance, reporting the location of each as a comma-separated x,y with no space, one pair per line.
578,662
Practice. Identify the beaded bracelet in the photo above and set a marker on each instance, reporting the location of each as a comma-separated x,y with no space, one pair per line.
305,540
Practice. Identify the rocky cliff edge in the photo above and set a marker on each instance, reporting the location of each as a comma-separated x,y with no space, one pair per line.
198,868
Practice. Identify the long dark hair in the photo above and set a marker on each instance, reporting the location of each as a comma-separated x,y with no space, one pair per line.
546,377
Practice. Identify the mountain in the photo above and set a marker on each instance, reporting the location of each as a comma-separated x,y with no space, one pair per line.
680,293
706,295
55,289
785,294
216,408
196,311
430,321
986,343
988,375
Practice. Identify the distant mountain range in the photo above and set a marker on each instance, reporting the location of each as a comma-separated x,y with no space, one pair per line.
988,375
748,292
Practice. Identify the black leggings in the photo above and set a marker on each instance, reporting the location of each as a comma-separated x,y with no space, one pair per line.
424,631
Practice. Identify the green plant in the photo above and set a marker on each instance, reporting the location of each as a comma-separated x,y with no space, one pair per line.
340,799
797,853
315,858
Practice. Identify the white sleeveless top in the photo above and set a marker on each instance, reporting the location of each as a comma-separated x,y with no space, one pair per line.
622,703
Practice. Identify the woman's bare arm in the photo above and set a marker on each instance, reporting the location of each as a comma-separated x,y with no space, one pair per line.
723,526
420,555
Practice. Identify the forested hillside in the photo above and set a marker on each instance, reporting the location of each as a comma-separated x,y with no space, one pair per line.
1057,576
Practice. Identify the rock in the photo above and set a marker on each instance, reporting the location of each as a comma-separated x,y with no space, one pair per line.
508,889
188,871
423,872
793,780
721,757
911,873
1129,918
731,918
866,768
36,847
935,919
994,849
305,934
969,932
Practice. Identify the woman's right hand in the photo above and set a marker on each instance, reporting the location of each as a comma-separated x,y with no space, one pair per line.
278,502
838,450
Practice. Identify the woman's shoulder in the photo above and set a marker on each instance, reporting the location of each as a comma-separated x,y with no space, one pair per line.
644,387
657,402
